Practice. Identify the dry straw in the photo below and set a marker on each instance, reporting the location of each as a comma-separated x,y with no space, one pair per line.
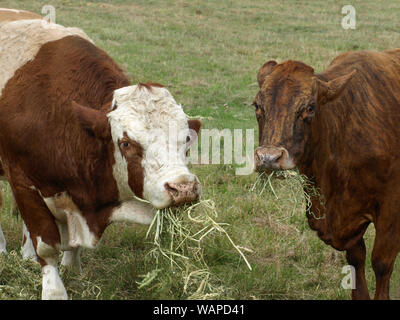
292,182
179,236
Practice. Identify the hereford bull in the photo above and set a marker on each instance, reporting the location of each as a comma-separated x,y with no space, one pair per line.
341,129
80,146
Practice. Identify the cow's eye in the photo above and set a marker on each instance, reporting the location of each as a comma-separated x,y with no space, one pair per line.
311,108
256,106
125,144
188,139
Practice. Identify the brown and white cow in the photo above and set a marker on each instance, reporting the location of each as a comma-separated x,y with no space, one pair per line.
341,129
79,145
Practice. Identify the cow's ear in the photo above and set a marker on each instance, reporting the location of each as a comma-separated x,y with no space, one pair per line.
194,125
95,122
330,90
265,70
194,129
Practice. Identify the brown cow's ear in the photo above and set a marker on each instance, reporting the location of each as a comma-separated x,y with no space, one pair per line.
265,70
330,90
93,121
194,129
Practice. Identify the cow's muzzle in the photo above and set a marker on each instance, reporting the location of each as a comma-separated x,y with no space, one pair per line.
272,158
182,193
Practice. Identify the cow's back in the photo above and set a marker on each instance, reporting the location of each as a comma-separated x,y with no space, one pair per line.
21,40
364,119
13,15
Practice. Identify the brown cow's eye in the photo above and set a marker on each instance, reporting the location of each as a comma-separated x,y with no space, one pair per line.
311,108
256,106
125,144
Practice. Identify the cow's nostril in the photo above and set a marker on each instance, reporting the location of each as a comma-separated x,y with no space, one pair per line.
173,190
276,157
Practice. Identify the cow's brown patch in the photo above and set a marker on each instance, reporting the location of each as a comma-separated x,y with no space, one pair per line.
132,151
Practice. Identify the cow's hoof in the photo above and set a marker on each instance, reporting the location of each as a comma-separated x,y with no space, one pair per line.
54,294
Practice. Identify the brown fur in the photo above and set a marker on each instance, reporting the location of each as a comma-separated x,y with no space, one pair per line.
133,152
348,146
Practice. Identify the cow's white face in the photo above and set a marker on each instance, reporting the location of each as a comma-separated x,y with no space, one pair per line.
149,128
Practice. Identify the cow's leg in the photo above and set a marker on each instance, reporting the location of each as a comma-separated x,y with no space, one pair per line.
387,242
45,237
384,254
27,249
71,259
3,243
356,257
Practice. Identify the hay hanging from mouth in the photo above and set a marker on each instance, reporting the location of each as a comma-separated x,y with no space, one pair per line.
291,184
178,236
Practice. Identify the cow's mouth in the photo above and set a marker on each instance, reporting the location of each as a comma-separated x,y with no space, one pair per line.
183,193
270,159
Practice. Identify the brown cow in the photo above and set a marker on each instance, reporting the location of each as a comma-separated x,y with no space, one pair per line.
80,146
341,129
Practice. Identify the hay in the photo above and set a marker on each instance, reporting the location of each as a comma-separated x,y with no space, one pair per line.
290,186
19,279
178,238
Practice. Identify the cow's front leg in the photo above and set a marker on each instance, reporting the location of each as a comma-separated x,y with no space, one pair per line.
45,237
52,285
27,249
356,257
384,254
71,259
3,243
2,238
387,242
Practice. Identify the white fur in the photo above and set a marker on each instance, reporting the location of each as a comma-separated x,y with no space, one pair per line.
27,250
71,259
10,10
158,123
21,40
73,227
46,252
133,211
80,234
52,285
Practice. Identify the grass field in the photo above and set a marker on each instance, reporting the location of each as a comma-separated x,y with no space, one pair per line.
208,54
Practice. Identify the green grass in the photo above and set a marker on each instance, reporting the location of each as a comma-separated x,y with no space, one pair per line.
208,54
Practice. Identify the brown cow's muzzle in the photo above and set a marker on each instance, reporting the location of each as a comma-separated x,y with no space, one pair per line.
182,193
272,158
